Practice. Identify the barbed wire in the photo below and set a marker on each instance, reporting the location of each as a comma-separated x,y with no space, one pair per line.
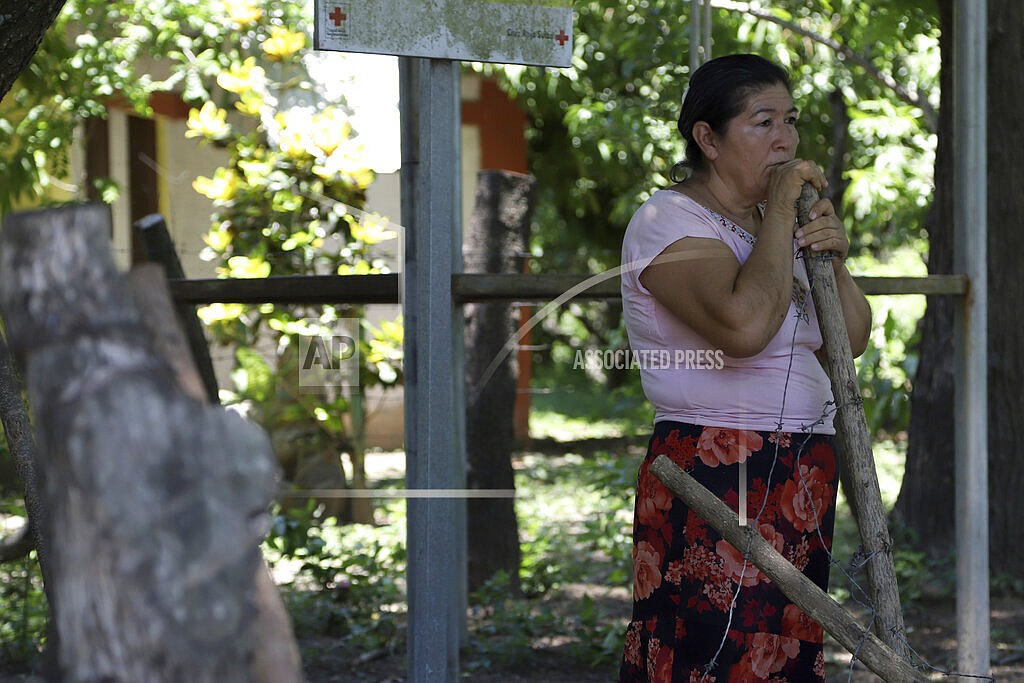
860,560
857,562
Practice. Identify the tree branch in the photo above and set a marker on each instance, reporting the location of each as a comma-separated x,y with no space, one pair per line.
22,25
912,98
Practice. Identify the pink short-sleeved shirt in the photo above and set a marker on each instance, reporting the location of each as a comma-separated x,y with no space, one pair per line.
683,375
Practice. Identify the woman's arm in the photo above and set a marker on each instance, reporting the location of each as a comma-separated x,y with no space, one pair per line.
737,308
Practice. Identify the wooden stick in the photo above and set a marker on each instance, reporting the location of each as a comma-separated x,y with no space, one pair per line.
804,593
854,442
156,240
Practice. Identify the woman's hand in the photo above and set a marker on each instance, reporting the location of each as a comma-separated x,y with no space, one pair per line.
824,232
787,180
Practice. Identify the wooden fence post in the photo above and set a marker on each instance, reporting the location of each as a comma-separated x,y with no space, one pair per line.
159,248
157,500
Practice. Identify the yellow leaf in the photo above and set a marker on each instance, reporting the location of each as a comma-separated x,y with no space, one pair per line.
243,12
209,122
282,43
372,229
242,77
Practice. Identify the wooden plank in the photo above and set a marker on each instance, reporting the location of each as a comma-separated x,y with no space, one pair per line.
471,287
955,285
291,289
548,286
803,592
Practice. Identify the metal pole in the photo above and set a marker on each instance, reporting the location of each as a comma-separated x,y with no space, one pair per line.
432,212
696,34
706,38
970,225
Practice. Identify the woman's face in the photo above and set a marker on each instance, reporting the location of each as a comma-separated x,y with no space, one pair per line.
762,136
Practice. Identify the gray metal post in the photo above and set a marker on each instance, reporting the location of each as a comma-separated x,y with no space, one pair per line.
696,34
431,211
970,224
700,33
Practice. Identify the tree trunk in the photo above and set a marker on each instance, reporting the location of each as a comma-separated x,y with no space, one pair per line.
497,235
157,500
927,497
1006,286
21,31
925,503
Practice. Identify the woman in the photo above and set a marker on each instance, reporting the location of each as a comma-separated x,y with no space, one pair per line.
712,280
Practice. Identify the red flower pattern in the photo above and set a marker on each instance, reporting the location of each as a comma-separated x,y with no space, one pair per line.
646,570
683,568
806,497
769,652
721,446
742,571
797,624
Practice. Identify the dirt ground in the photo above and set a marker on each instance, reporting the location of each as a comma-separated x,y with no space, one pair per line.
931,626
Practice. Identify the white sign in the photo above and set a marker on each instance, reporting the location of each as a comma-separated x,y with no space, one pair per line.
506,31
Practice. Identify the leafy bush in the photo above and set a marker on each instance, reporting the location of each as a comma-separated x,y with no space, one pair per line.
287,203
345,582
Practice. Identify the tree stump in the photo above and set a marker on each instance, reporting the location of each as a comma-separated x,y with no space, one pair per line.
157,500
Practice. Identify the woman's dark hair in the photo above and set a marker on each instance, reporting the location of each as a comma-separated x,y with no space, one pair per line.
716,95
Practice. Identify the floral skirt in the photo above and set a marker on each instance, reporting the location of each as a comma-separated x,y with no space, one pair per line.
700,611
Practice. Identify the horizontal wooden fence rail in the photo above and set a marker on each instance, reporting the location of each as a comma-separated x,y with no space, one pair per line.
470,287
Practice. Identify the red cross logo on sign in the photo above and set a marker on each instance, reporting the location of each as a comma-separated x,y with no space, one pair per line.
561,37
339,22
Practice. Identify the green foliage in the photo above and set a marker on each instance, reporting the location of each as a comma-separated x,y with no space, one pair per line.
24,612
287,203
887,368
603,136
23,606
885,372
503,628
346,581
38,120
288,199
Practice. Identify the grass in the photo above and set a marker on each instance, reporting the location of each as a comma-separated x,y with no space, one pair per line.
575,520
345,586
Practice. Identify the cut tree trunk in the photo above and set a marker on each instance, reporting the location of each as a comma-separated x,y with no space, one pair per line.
277,658
494,243
157,500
